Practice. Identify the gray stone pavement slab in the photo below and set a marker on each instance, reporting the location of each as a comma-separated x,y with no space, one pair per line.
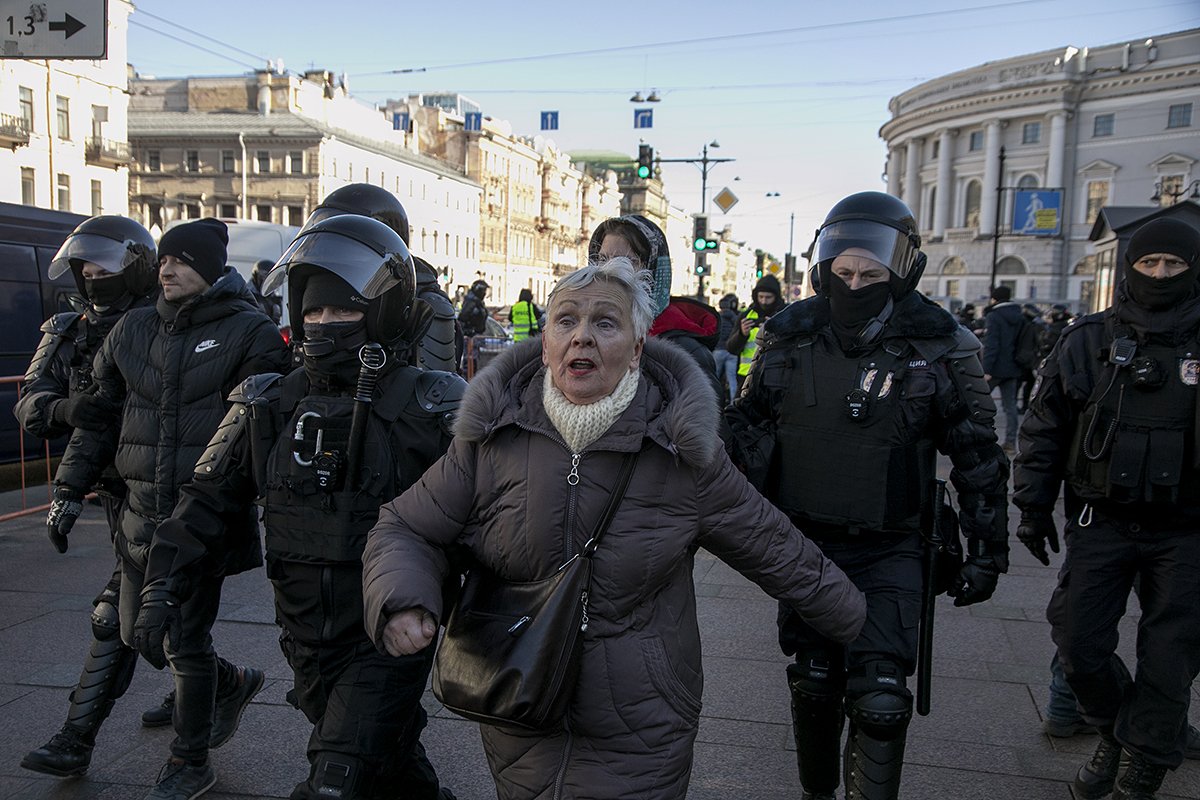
983,738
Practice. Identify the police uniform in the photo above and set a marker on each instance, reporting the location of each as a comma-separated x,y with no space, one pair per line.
843,436
1113,418
287,442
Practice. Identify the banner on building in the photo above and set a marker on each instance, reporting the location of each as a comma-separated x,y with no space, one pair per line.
1037,212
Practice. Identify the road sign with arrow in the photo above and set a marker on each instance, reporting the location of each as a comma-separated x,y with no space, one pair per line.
56,29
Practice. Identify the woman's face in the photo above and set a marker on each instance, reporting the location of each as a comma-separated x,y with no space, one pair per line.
616,245
588,344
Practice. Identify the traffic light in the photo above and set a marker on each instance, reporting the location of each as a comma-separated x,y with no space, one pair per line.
700,233
645,167
701,268
760,260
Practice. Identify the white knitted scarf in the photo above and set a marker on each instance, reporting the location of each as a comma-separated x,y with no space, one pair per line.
580,425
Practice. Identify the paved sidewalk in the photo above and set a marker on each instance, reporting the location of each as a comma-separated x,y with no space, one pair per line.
983,739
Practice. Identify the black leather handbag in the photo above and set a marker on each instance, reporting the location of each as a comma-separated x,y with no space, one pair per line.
511,651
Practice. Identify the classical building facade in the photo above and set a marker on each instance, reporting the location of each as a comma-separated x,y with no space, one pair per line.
1110,125
63,128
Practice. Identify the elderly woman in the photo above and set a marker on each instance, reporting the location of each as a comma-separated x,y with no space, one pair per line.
540,439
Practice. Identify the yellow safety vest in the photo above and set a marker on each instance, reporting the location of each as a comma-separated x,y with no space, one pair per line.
524,321
747,354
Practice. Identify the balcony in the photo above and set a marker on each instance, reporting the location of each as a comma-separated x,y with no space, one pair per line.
14,131
106,152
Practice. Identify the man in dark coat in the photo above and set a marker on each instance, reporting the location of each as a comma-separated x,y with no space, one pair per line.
169,367
684,321
743,341
1002,325
1114,419
115,267
727,362
320,495
851,396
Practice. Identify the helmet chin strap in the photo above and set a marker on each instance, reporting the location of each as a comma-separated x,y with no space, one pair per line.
870,332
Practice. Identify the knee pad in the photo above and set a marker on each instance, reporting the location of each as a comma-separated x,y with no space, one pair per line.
816,677
106,622
879,703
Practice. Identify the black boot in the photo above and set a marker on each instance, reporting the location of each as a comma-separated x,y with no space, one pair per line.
161,714
1140,780
67,753
817,722
1095,778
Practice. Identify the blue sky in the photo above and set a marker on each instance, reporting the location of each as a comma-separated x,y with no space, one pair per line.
794,91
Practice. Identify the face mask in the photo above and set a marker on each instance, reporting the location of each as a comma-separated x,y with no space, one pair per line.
1159,293
331,351
106,291
856,307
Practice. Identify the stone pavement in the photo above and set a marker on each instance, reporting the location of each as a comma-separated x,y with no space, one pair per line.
983,739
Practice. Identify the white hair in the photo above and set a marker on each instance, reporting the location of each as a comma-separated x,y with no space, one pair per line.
618,270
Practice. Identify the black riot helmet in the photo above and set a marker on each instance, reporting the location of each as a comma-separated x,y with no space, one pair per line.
362,198
879,224
120,245
363,252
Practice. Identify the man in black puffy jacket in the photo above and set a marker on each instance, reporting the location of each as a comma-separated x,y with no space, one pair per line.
1002,326
170,367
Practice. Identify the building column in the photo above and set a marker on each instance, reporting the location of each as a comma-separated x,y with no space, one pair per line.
893,172
912,174
1057,154
945,182
991,178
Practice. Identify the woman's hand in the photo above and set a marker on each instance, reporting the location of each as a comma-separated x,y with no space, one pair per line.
409,631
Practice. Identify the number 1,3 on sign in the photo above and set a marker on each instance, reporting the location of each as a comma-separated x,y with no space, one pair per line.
57,29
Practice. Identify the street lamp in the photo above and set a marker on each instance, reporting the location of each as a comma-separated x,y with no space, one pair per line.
1162,186
772,194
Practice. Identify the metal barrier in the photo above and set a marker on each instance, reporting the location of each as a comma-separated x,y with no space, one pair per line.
480,350
23,462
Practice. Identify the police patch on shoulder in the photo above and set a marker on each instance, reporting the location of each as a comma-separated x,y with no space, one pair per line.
1189,371
918,363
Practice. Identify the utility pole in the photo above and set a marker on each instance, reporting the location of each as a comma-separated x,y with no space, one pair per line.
704,162
996,231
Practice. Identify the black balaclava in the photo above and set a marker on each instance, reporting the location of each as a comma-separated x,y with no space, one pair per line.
107,291
331,348
1173,237
851,310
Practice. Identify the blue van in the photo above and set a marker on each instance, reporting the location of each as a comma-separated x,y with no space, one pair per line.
29,238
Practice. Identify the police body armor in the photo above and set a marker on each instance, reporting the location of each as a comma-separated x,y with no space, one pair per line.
1134,441
843,425
312,514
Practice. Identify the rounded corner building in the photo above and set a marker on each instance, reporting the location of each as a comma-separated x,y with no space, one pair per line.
1008,165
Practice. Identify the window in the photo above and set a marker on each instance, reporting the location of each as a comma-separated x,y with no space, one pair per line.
64,192
1179,116
227,161
954,266
295,215
228,210
153,160
1031,133
191,211
1097,198
1010,265
1170,190
97,199
971,208
263,213
64,117
296,162
937,147
952,287
976,141
99,117
191,160
366,174
262,161
28,196
1027,182
1102,125
26,104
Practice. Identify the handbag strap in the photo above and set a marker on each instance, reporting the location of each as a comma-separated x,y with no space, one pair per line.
614,501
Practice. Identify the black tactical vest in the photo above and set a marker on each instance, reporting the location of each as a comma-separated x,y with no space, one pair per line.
845,454
1134,443
306,520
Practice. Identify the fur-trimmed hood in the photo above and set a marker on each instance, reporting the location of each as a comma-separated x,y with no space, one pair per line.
674,405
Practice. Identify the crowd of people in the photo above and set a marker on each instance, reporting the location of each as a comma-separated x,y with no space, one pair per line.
379,476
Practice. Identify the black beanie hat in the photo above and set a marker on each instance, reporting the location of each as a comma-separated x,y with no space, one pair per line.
200,245
1002,294
327,289
1165,235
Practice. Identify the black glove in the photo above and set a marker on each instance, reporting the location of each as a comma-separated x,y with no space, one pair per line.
83,410
159,621
1034,530
976,581
64,510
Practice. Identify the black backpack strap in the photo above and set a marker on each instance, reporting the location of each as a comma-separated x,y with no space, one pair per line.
614,502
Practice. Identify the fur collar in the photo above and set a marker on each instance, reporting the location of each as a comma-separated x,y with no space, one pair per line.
914,317
674,403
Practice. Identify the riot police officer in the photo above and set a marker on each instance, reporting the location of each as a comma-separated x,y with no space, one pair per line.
321,450
848,401
114,265
1114,418
439,347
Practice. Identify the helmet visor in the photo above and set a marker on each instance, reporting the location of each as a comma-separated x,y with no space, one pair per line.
890,247
364,268
111,254
320,213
